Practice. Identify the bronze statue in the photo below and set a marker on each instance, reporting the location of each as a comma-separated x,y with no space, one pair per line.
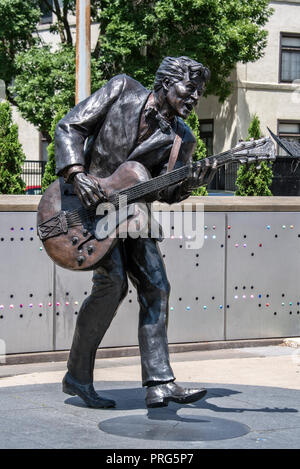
123,125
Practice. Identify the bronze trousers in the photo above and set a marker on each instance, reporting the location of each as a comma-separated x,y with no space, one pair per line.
141,261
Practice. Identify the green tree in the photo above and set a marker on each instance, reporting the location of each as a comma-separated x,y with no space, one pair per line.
40,95
134,36
17,25
251,180
50,168
12,156
200,152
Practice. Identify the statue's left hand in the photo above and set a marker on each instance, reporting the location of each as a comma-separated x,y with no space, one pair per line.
201,175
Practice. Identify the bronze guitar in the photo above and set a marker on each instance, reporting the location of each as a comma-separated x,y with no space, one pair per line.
75,238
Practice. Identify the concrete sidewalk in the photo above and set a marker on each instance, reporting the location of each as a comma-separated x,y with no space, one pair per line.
253,401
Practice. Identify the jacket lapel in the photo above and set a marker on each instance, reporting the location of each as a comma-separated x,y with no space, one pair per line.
155,141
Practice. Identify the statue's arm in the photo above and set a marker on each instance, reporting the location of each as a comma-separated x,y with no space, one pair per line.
82,122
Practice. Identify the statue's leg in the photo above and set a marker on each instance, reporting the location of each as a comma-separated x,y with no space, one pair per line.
96,314
146,270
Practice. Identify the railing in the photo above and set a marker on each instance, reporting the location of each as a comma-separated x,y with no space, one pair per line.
32,174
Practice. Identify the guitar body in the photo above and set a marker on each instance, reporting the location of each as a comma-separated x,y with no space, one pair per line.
77,248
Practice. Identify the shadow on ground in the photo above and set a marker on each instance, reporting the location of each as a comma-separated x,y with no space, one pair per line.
178,422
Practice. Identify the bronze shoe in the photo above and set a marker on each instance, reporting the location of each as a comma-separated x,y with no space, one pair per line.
87,393
162,394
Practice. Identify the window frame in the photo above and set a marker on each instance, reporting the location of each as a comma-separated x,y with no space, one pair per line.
281,49
286,134
207,121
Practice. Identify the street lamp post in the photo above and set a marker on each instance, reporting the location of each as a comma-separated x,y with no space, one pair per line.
83,50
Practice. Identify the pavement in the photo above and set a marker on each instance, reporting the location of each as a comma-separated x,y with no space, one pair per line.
253,402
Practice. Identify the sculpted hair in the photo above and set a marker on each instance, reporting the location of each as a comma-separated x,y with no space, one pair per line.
174,69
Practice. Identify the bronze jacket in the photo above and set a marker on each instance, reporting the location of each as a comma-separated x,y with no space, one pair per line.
101,133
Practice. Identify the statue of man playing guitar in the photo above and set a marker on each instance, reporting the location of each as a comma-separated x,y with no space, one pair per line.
121,123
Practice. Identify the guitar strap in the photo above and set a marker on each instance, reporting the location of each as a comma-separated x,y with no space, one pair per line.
176,146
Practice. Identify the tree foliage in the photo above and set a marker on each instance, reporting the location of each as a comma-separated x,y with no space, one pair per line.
17,25
12,156
251,180
134,36
45,83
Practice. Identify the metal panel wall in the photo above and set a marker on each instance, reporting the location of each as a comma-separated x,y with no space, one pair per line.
263,275
243,283
26,286
197,293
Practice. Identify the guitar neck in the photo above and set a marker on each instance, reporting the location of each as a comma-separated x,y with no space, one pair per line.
158,183
165,180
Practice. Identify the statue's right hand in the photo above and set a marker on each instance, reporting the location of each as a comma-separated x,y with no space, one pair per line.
87,189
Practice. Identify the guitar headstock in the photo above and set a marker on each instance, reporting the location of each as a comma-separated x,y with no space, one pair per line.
254,151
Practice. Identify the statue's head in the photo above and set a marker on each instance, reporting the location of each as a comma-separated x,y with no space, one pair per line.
182,81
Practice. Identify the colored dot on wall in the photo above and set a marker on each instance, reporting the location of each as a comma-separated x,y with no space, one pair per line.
57,304
282,304
292,226
251,296
221,306
290,303
41,248
67,303
75,302
283,227
228,227
214,227
40,305
267,304
204,307
260,245
49,304
236,297
245,245
171,309
11,306
21,306
205,236
30,305
188,308
236,245
259,296
214,237
1,306
205,227
244,296
268,227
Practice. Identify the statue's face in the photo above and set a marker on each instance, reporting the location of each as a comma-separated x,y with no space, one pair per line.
182,96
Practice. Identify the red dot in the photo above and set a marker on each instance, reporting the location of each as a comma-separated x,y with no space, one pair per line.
228,227
267,304
260,245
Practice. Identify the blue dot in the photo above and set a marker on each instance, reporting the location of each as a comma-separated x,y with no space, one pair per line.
259,296
188,308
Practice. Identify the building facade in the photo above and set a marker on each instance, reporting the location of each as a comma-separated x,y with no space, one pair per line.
269,87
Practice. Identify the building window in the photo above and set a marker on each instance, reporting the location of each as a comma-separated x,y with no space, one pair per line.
289,57
46,13
206,128
290,131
